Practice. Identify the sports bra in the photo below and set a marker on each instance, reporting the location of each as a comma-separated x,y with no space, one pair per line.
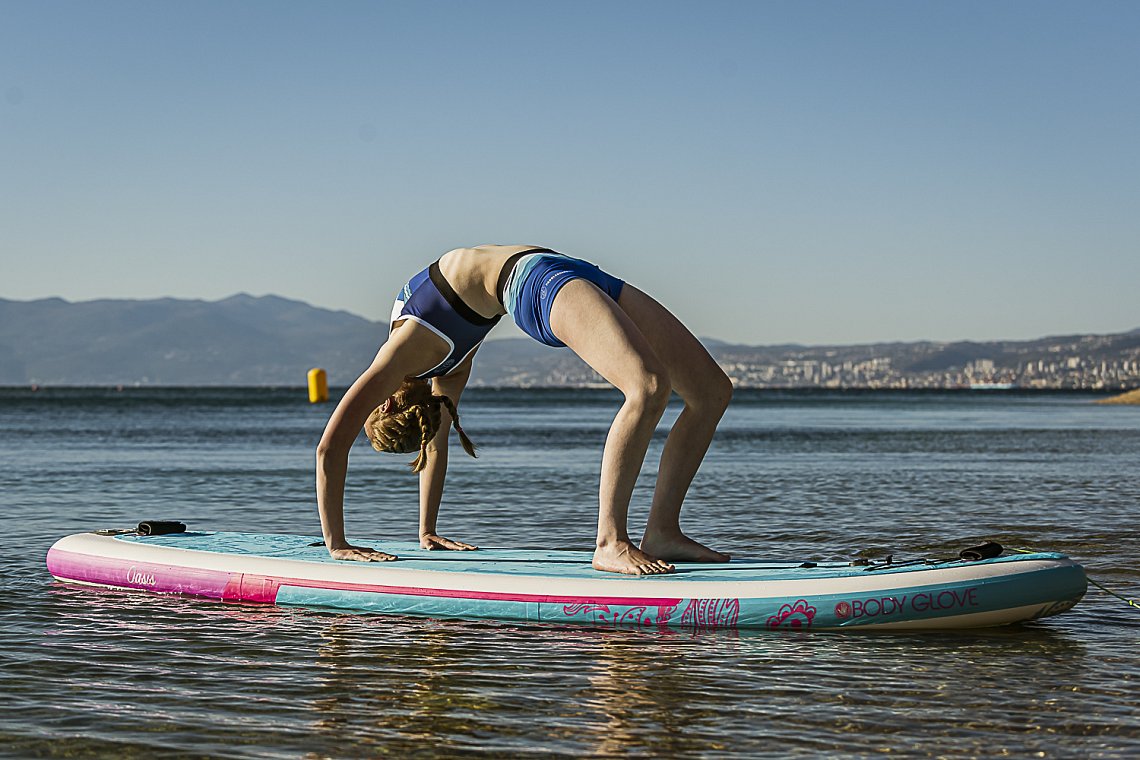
429,300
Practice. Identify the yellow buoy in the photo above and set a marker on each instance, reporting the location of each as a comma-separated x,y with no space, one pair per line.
318,385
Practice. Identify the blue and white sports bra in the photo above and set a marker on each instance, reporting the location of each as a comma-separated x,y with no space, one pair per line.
429,300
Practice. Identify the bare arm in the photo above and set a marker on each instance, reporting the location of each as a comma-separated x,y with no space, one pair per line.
433,475
402,355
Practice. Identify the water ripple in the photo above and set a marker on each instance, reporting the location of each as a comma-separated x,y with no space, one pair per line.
93,673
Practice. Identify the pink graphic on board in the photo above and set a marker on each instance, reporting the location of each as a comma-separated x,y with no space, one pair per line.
702,614
698,614
629,616
664,615
795,616
641,616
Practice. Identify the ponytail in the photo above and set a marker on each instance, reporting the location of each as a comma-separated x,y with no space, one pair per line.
463,439
427,432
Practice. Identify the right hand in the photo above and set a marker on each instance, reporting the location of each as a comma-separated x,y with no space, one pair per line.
360,554
432,541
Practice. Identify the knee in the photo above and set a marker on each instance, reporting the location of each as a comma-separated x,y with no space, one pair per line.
713,395
651,391
720,391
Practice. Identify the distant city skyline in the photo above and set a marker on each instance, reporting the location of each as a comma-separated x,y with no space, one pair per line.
814,173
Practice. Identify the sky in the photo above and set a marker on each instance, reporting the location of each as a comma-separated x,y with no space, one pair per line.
773,172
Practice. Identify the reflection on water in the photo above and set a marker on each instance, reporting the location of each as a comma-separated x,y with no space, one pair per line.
86,672
228,679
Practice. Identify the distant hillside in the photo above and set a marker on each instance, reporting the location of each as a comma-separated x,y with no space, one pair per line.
1087,362
241,340
268,340
1098,362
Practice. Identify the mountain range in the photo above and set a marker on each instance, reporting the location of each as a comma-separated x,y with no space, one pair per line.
269,340
241,340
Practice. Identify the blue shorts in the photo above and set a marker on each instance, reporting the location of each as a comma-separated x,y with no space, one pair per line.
535,281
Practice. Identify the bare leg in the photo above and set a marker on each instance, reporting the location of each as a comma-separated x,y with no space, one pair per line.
706,391
596,329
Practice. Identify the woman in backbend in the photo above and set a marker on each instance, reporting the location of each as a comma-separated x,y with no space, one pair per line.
438,322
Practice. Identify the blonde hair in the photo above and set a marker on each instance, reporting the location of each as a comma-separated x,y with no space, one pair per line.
409,420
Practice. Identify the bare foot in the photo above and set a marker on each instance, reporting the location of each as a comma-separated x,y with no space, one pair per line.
680,548
624,557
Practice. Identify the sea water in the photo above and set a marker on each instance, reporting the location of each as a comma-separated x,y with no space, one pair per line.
810,475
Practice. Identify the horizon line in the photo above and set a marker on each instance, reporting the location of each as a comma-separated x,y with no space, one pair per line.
705,339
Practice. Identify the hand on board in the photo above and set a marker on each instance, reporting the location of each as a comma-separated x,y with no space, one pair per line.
360,554
431,541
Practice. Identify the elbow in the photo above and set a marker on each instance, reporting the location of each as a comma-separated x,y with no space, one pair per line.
329,452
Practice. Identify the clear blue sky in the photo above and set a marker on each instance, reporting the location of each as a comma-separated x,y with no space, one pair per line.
816,172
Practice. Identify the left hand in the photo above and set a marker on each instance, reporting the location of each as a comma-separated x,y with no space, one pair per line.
432,541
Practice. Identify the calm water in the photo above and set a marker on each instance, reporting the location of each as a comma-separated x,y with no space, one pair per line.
88,673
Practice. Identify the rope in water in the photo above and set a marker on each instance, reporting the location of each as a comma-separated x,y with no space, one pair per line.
1130,602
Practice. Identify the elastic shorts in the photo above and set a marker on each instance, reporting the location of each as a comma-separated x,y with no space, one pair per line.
536,280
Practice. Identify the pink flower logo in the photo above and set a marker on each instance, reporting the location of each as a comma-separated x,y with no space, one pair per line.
796,616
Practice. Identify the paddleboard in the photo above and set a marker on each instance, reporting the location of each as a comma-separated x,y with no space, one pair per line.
560,587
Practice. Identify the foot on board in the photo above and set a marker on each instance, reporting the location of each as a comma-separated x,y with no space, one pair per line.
680,548
624,557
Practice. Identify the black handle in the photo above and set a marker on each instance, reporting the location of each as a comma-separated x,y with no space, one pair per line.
160,527
988,550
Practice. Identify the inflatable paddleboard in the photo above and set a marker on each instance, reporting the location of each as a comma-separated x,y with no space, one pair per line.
560,586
